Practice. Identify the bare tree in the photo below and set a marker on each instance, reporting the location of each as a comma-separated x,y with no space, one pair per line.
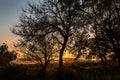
59,19
36,35
104,16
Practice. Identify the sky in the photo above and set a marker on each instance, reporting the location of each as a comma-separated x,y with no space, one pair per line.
10,10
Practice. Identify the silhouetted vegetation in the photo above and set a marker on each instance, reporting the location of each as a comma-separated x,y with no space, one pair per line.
6,56
104,20
85,28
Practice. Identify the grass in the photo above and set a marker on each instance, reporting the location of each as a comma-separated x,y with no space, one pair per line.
72,71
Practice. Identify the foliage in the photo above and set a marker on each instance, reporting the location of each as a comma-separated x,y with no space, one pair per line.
5,55
49,22
54,26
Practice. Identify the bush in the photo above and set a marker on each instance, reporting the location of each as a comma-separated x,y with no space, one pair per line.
5,55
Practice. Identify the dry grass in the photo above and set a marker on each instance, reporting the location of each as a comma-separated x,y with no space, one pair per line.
72,71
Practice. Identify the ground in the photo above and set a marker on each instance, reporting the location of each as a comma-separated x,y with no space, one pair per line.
72,71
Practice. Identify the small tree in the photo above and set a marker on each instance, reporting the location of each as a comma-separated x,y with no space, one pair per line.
105,19
37,36
5,55
42,49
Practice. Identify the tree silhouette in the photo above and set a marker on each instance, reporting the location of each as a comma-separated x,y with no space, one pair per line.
5,55
80,42
104,16
37,35
53,17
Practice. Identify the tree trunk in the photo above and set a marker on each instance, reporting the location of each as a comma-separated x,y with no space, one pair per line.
117,52
61,60
103,60
61,54
44,66
78,55
118,57
119,61
42,72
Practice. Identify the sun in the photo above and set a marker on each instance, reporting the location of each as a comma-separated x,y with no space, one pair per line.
68,55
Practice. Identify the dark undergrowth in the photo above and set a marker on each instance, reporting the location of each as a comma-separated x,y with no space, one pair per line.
70,72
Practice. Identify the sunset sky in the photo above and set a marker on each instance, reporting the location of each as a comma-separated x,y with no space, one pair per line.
10,10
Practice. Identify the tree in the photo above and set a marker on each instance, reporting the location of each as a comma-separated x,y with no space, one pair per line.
42,49
110,24
105,24
93,19
37,40
5,55
67,17
81,38
112,27
50,17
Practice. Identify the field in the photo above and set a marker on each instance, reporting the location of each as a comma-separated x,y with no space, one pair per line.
73,70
